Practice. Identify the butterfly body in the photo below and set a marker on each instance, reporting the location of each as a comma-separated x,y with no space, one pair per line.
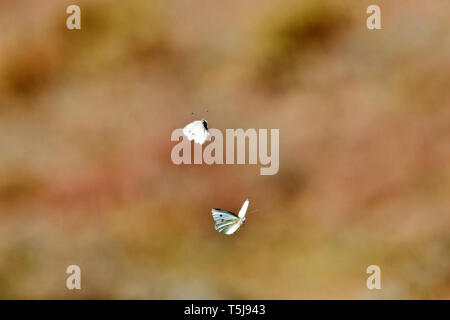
227,222
197,131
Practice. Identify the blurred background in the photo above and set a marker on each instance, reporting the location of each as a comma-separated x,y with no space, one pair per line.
86,176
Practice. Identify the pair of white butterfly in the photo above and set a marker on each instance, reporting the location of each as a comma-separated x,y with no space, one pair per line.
226,222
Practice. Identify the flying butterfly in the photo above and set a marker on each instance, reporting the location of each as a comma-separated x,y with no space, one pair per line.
227,222
197,131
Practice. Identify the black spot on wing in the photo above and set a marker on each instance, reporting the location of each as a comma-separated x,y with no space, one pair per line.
225,212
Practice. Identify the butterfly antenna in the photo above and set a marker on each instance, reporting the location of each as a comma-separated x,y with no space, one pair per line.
194,115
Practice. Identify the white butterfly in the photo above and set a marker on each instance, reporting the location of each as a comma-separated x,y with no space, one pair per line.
227,222
197,131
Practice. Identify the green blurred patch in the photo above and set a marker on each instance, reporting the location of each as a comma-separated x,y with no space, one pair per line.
292,31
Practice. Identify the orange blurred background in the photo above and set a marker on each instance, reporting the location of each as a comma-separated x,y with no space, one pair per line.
86,176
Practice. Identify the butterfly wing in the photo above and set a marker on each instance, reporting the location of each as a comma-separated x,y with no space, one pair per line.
229,227
244,208
196,131
226,221
201,134
219,214
190,130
